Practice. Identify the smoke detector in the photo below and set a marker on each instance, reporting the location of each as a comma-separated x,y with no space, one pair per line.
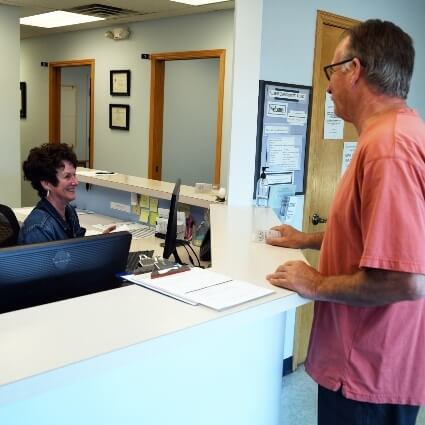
118,34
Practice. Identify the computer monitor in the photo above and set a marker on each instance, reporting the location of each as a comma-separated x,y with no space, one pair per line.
45,272
170,243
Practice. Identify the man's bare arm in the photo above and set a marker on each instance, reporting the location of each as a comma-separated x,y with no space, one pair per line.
293,238
365,288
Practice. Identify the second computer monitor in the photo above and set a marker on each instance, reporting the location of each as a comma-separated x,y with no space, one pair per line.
170,244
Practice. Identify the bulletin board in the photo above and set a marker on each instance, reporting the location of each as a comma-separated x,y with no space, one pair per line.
283,125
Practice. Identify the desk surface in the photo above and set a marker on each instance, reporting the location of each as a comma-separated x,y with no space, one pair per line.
46,337
90,220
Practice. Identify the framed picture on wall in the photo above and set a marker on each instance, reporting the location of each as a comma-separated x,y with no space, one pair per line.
119,83
119,117
23,110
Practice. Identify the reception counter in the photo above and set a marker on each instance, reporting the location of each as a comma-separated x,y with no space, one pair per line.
133,356
140,185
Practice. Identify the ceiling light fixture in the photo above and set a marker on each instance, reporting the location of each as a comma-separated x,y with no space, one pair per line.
198,2
59,18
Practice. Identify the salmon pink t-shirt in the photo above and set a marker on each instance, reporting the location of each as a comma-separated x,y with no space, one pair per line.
377,220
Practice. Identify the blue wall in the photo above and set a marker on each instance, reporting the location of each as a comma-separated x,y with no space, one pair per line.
289,34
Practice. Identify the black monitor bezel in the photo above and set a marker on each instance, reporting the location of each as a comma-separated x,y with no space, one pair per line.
170,243
40,273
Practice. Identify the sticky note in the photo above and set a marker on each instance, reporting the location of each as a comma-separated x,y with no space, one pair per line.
144,215
144,201
152,218
153,204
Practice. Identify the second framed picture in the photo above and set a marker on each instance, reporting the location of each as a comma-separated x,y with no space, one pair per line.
119,82
119,117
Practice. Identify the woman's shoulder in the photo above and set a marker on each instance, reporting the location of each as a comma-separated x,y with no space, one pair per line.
37,217
37,227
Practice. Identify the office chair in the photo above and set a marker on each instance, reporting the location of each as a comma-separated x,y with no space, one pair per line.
9,227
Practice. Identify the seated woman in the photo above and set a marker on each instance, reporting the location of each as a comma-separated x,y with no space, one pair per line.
51,170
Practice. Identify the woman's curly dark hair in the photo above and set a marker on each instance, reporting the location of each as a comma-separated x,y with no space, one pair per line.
43,163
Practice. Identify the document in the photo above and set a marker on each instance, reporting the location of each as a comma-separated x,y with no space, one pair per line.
347,155
283,153
278,194
296,117
201,286
291,209
277,109
333,126
281,178
273,129
93,173
137,230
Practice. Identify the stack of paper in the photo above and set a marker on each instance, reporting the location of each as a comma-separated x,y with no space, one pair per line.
137,230
201,286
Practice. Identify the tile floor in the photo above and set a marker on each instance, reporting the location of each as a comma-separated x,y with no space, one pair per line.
299,398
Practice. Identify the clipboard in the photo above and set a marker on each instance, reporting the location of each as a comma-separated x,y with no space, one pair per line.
202,286
158,273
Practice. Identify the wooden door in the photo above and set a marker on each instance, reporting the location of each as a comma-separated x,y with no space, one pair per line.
324,159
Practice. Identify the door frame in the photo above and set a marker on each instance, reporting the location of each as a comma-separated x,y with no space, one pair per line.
156,120
304,314
55,100
317,106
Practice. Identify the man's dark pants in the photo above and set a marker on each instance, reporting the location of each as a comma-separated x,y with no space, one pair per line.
335,409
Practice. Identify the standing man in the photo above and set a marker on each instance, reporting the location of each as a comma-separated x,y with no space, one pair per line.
367,346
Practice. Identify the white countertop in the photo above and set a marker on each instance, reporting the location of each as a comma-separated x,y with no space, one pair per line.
46,337
233,251
155,188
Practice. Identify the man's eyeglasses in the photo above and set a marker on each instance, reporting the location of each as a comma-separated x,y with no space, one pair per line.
329,69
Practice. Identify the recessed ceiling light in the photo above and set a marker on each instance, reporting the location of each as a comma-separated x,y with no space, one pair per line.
198,2
59,18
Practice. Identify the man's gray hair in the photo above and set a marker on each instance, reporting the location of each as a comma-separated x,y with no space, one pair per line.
386,53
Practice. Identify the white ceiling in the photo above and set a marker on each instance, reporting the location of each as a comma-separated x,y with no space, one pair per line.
143,10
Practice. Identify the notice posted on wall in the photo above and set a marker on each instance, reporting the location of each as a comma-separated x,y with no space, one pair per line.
282,133
347,155
333,128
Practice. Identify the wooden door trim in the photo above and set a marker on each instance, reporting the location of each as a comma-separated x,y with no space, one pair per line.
304,314
327,18
55,100
157,106
322,19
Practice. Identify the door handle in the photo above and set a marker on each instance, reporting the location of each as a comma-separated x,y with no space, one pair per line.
316,219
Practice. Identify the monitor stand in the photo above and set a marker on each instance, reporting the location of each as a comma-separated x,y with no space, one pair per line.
179,242
176,257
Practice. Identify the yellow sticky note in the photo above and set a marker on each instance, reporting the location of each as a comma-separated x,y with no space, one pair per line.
144,215
152,218
144,201
153,204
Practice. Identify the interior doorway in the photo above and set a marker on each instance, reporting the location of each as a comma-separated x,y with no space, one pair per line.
57,120
158,61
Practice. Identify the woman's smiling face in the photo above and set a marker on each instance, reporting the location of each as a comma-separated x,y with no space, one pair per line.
64,191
